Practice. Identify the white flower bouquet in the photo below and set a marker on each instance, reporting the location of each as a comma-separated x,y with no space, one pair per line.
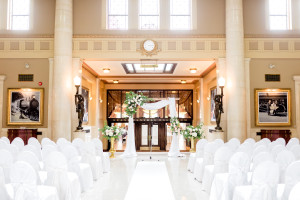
193,132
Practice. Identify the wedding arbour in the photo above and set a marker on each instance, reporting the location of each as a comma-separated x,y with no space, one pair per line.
134,100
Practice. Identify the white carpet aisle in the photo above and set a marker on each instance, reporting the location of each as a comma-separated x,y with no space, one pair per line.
150,181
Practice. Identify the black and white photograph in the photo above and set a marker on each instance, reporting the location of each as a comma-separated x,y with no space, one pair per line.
272,107
213,92
25,106
85,94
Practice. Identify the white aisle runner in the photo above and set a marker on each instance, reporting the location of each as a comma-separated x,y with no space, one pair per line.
150,181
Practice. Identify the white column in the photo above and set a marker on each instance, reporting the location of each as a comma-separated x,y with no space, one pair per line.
235,87
297,99
221,73
62,71
95,133
247,79
2,78
50,99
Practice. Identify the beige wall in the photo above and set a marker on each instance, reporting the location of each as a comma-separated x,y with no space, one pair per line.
11,68
287,68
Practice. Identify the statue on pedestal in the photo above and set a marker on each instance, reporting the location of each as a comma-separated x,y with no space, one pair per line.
79,102
218,110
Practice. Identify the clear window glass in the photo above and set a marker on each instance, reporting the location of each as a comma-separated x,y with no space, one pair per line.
149,14
19,14
180,18
117,14
279,14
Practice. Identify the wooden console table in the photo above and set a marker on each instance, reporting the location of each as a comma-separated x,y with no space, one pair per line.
274,134
25,134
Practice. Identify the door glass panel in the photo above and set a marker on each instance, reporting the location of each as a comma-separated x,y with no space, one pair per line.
145,134
154,132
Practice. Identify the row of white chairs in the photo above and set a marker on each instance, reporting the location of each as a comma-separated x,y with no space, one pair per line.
62,170
218,165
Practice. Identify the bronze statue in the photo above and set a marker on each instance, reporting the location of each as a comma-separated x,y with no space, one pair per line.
79,102
218,110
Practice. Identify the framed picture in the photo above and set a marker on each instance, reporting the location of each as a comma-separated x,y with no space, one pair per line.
273,107
25,106
85,94
213,92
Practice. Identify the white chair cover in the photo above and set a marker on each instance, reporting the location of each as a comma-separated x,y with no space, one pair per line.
47,149
284,159
79,144
292,177
18,142
246,148
296,151
83,170
37,152
13,149
276,150
66,183
295,192
3,193
33,141
104,155
266,140
30,158
274,143
261,157
233,143
250,141
61,142
5,139
221,159
264,183
47,141
6,161
292,142
259,149
23,179
208,158
199,154
281,141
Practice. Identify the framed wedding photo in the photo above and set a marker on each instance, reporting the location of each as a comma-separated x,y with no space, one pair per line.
273,107
25,106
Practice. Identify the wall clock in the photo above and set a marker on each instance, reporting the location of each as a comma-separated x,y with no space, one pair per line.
149,47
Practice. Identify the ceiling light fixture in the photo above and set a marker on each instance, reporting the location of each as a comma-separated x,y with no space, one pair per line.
106,70
183,81
193,70
115,81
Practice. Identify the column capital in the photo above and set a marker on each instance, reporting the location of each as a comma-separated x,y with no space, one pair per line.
2,77
296,78
247,59
51,59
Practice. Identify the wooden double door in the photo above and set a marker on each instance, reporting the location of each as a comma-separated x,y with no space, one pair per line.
150,135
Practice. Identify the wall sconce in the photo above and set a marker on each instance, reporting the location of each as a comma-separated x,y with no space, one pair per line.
115,81
198,100
27,65
219,104
100,100
183,81
79,102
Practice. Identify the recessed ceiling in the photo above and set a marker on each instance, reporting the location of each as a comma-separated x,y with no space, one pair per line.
181,72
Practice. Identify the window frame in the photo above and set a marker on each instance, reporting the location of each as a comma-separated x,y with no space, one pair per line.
288,16
10,16
146,15
182,15
121,15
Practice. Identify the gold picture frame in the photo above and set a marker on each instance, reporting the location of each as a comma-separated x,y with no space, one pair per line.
212,92
25,106
272,107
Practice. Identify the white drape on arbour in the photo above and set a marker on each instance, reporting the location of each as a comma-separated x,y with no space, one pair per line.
130,142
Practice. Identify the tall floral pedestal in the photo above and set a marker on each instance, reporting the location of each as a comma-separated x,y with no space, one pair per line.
192,150
112,148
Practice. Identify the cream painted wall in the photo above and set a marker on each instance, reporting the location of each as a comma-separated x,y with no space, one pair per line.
287,68
11,68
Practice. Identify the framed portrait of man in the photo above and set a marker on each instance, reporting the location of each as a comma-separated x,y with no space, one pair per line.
25,106
273,107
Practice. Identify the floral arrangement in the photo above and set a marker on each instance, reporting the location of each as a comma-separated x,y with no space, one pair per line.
133,101
111,132
175,125
193,132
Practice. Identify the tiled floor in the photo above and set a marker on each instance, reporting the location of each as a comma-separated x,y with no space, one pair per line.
114,185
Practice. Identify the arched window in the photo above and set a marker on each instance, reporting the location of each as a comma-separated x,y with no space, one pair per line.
149,14
117,14
180,14
280,14
19,14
